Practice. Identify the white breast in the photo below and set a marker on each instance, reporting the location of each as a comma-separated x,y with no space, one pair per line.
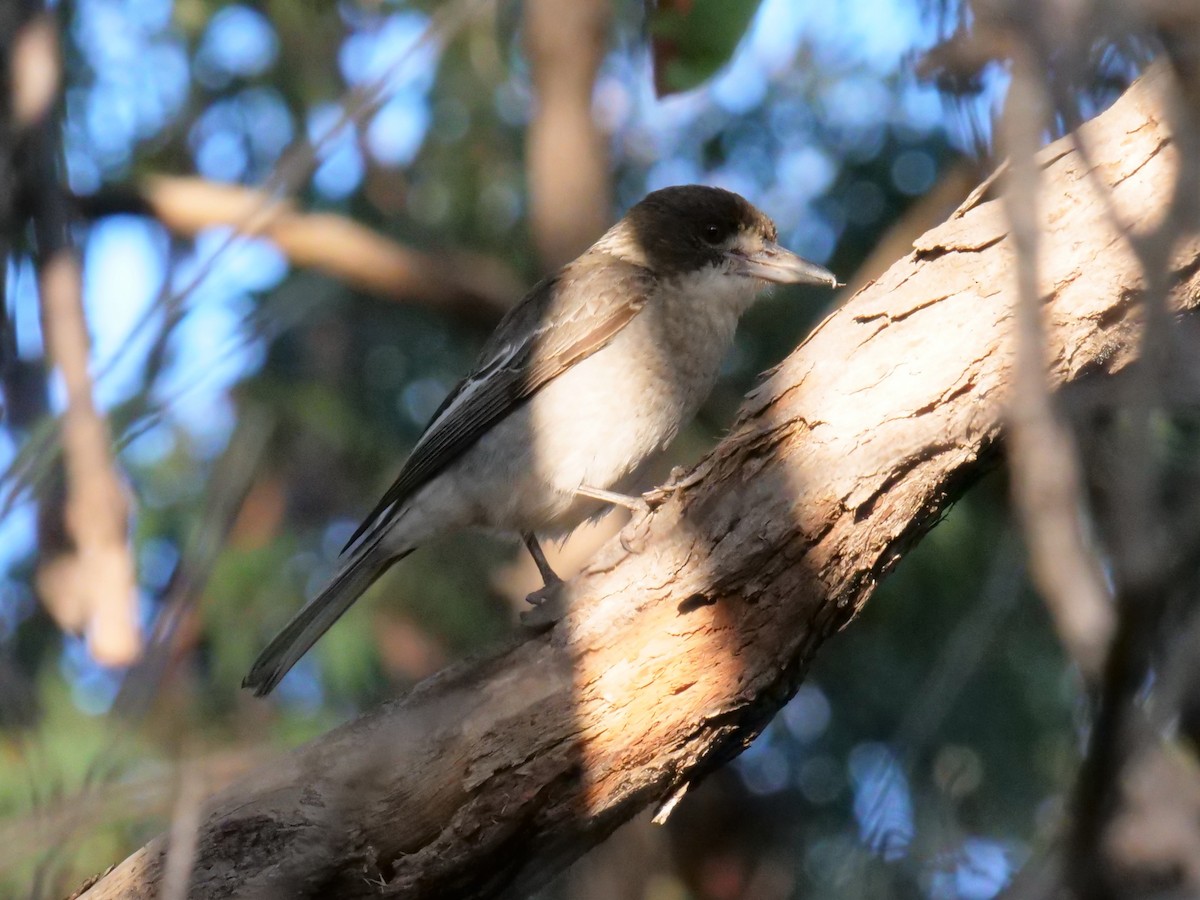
597,422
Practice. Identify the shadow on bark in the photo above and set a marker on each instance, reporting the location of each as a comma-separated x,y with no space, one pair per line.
493,775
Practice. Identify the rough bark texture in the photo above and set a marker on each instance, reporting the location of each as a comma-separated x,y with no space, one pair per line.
493,775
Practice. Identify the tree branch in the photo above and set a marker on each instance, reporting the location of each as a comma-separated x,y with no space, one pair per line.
491,776
85,573
1047,485
466,284
567,163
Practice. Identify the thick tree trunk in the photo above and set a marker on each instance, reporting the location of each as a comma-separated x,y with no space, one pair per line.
492,776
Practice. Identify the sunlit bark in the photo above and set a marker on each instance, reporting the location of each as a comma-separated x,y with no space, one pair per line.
676,651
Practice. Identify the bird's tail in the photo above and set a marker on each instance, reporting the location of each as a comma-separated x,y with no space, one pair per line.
317,616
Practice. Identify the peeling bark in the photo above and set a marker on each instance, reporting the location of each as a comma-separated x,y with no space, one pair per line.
491,776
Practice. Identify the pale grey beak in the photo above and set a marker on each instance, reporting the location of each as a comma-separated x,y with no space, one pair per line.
774,263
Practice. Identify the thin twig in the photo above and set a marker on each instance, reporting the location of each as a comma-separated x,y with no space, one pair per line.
1046,482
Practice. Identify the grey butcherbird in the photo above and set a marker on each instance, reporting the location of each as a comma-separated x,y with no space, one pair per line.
598,367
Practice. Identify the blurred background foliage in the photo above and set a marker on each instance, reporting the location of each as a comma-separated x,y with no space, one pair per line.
260,407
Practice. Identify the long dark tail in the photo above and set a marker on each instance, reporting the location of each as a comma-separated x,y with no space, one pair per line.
307,626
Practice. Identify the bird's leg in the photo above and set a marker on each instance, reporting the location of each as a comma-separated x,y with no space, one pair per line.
547,601
631,503
550,579
633,542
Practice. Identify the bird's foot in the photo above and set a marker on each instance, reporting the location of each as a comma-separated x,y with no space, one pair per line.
548,604
679,479
634,535
546,593
639,505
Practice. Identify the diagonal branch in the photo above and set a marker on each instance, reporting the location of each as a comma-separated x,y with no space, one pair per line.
471,285
493,775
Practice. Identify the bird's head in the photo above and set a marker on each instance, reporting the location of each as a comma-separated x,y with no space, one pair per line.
690,229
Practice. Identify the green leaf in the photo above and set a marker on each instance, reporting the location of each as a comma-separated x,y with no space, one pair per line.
692,39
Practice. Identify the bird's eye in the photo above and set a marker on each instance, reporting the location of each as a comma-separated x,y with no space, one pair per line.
712,233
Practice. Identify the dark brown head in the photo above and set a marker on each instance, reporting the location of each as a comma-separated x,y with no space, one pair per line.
680,230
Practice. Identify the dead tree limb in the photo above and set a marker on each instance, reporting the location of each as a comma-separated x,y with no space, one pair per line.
493,775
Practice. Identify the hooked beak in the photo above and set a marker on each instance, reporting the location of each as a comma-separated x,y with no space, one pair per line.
774,263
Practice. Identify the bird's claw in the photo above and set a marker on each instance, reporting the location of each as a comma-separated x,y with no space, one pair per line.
679,479
548,604
633,543
643,505
546,593
633,536
656,497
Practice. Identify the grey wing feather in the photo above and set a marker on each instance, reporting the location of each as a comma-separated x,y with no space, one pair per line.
587,304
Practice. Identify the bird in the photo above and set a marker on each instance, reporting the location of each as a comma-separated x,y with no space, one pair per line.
591,374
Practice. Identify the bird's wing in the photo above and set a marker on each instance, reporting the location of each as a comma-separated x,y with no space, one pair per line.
564,319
